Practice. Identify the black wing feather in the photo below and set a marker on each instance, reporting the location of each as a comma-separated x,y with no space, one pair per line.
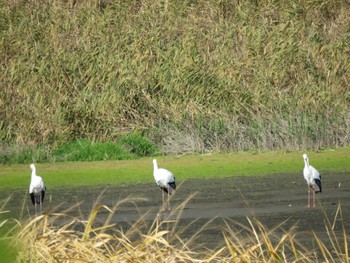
172,185
318,182
42,196
32,198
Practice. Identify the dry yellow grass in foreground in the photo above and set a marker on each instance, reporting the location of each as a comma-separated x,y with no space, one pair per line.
58,237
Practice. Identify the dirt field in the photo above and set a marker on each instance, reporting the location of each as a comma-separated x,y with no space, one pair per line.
270,199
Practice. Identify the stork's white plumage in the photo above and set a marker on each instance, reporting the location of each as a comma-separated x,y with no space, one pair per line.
165,180
36,188
313,180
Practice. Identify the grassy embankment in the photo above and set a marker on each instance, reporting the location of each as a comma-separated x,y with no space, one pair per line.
75,174
190,76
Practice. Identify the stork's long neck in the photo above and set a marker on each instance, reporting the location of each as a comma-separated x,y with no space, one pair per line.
33,172
155,166
306,161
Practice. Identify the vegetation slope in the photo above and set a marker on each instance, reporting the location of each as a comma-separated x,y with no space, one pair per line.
190,76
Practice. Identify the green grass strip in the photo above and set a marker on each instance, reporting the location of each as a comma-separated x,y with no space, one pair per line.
184,167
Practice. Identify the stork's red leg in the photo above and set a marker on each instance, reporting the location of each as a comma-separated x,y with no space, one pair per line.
314,198
168,200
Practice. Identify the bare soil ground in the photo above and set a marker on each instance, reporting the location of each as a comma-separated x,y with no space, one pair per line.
270,199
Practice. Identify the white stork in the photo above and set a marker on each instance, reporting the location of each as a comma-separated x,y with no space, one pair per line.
165,180
313,180
36,189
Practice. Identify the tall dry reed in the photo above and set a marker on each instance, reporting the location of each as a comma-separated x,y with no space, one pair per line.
229,75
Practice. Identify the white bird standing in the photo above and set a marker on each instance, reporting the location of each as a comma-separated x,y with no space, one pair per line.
313,180
36,189
165,180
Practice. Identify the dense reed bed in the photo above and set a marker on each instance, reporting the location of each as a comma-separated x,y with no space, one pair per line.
60,237
191,76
